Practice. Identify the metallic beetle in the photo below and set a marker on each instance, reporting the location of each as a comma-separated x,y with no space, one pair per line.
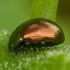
34,32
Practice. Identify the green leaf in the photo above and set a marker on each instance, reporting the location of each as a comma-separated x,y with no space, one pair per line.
53,59
44,9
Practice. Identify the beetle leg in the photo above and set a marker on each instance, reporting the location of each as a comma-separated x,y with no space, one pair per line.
16,52
34,47
49,46
20,48
44,44
22,44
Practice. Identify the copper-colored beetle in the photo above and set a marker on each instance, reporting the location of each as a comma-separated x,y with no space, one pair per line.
34,32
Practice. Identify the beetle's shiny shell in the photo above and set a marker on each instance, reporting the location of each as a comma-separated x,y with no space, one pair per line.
36,30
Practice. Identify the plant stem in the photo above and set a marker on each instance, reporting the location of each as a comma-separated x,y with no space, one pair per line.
44,9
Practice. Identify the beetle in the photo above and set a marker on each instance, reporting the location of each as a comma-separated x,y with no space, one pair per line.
35,32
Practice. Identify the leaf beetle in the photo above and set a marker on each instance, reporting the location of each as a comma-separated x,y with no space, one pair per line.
34,32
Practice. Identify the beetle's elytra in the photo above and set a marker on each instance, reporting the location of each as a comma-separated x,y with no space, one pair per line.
34,32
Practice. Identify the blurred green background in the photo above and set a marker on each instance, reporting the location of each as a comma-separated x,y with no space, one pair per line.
63,18
15,12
